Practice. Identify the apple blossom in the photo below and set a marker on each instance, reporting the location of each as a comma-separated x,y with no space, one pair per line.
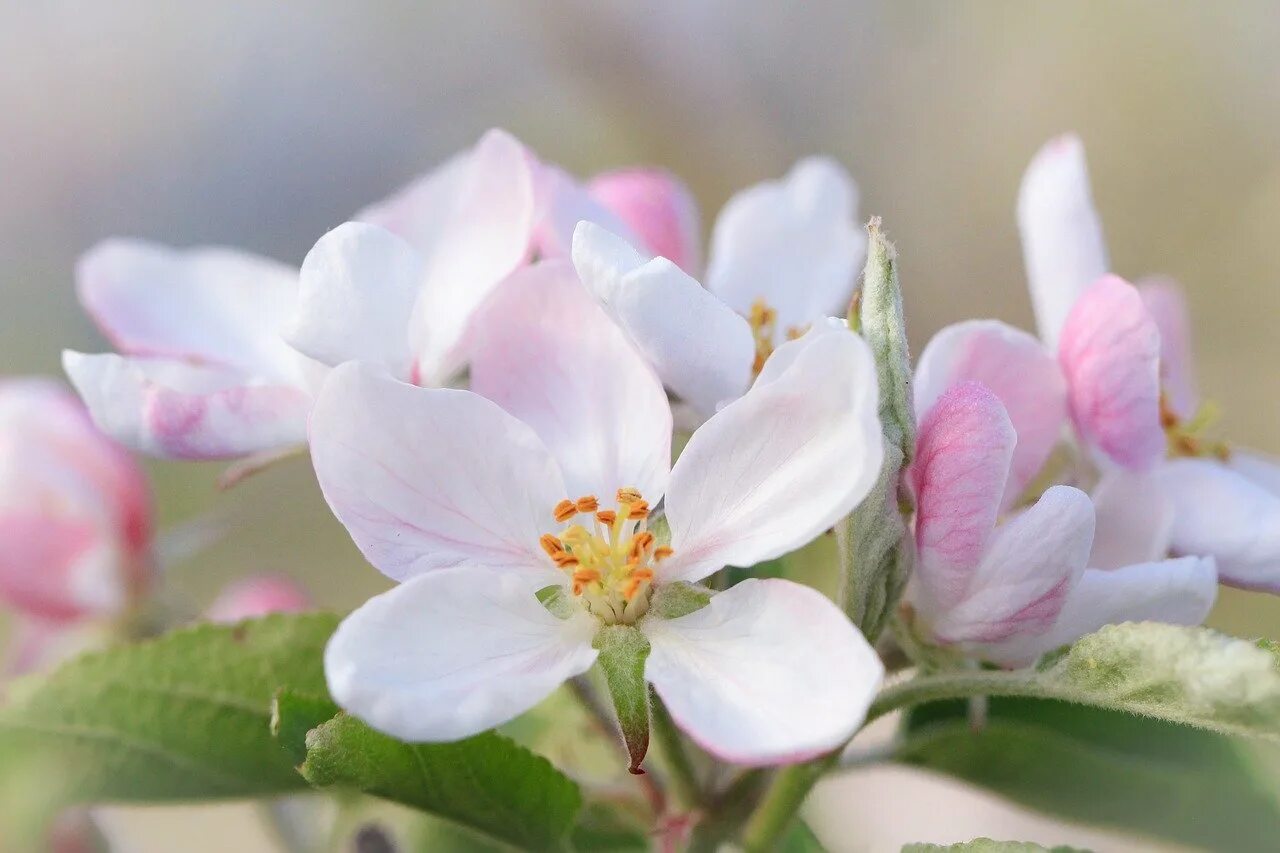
75,510
784,255
518,526
1011,591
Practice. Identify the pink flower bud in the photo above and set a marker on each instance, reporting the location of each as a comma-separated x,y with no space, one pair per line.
75,509
658,207
258,596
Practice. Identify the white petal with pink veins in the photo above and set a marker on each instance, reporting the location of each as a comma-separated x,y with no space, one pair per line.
1062,242
1023,580
770,672
216,306
1110,354
546,352
698,346
176,410
780,465
428,478
454,653
1018,369
793,243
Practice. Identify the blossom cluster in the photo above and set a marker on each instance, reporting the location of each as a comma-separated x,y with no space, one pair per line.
537,410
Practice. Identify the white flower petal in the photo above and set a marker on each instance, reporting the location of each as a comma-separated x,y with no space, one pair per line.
472,222
214,306
781,464
1261,469
1021,583
429,478
793,243
452,654
1178,592
1062,241
770,672
176,410
698,346
547,353
1135,520
1223,514
358,287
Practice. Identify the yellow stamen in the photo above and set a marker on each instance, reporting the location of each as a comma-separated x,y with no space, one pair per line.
1185,437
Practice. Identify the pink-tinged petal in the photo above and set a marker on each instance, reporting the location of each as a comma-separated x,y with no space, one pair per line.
59,568
963,450
659,210
1062,242
546,352
793,243
778,466
1259,468
1023,580
698,346
357,289
1221,514
1135,520
1177,592
256,596
176,410
770,672
472,222
428,478
1110,354
1015,367
454,653
562,203
209,306
1168,308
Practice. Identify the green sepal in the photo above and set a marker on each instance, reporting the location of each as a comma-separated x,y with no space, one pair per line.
557,600
623,651
673,600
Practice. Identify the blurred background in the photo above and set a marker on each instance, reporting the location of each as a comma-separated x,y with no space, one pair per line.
261,127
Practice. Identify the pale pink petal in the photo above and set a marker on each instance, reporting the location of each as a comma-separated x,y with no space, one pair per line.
562,203
472,222
1110,354
358,286
1168,308
212,306
451,654
59,568
780,465
430,478
1260,468
546,352
1176,592
1020,585
1062,242
176,410
256,596
963,451
698,346
793,243
1135,520
770,672
1015,367
659,210
1222,514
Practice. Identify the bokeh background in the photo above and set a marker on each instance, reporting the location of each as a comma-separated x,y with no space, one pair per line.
261,126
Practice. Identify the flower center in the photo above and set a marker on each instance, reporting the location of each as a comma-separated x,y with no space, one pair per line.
1186,437
763,320
611,558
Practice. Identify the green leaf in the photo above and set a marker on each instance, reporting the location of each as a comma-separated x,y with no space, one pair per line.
800,839
184,716
1194,676
604,829
876,554
487,782
623,652
1107,768
986,845
294,714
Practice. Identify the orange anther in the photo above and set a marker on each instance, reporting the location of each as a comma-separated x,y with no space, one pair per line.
551,544
640,544
606,517
629,495
565,510
587,503
662,552
638,510
564,559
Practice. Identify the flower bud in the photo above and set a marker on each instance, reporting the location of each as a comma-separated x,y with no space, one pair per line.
258,596
658,207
